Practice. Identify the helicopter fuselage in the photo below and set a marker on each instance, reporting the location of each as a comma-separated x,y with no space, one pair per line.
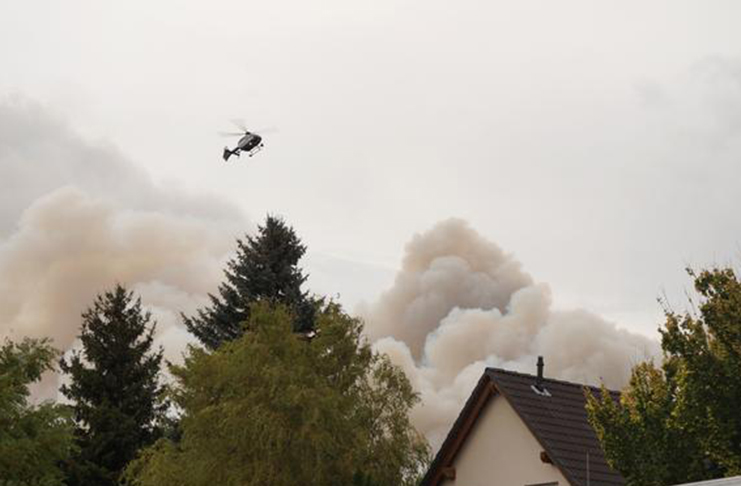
249,141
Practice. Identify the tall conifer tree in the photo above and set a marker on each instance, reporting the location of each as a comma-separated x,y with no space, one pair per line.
114,387
265,268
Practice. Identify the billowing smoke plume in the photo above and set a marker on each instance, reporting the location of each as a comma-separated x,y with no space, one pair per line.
76,218
459,303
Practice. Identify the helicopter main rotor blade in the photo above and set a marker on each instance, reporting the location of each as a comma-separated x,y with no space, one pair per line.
267,130
239,123
231,134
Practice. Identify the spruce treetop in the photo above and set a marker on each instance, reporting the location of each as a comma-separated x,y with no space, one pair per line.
264,269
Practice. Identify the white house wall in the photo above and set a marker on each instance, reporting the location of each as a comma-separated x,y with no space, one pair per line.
501,451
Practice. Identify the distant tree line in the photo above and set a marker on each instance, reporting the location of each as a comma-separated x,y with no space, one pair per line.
284,391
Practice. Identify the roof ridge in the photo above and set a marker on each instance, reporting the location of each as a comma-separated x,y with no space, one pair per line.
545,379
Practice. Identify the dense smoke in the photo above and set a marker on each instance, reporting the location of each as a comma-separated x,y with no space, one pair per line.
459,303
77,217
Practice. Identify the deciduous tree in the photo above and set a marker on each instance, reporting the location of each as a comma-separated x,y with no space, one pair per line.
273,407
34,439
681,422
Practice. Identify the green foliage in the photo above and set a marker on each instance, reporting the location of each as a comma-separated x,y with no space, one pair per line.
34,439
682,423
640,434
273,407
115,388
264,269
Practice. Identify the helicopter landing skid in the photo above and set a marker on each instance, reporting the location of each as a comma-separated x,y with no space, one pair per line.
255,150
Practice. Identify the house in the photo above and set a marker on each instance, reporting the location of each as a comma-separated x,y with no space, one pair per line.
522,430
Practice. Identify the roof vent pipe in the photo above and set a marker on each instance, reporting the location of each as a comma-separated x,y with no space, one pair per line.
538,387
539,381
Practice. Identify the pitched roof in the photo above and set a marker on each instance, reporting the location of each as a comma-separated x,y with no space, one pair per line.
558,420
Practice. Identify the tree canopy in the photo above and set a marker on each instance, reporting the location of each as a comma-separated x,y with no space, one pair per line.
265,268
34,439
273,407
680,422
114,387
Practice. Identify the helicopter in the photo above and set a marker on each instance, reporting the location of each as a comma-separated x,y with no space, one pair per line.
251,142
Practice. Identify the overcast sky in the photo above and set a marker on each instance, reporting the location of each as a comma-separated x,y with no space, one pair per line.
599,142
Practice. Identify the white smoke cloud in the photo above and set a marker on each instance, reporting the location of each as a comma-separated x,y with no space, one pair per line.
77,217
459,303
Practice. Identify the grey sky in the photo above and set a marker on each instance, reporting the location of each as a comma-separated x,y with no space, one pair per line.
598,141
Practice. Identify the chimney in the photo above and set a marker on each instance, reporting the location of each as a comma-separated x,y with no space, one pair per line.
539,381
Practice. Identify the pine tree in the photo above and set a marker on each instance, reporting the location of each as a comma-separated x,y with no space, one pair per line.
264,269
114,387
